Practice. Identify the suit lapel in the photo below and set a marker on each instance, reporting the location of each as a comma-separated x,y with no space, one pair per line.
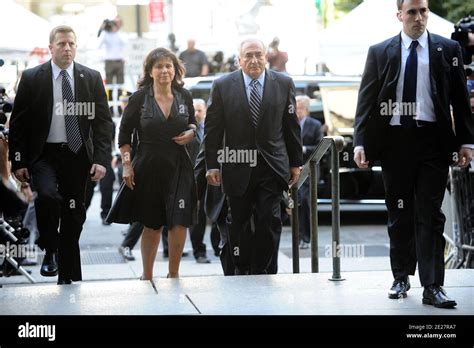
80,88
394,67
47,86
241,93
436,63
268,92
79,85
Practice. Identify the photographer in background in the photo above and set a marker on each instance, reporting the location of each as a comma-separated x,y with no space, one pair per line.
12,203
114,43
464,35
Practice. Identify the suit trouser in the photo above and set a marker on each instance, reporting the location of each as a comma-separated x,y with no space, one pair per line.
225,255
134,232
60,177
255,253
304,214
415,170
197,233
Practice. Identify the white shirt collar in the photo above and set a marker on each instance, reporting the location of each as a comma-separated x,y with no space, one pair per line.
422,40
248,79
57,70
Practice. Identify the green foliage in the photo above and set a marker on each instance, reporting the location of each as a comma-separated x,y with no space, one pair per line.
346,5
452,10
457,9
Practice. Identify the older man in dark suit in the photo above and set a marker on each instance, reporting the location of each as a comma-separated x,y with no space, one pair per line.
59,135
254,110
403,119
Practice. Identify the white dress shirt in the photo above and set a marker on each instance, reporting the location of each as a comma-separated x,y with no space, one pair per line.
248,80
425,108
57,130
114,45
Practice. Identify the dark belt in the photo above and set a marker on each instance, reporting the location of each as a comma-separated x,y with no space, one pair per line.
421,123
56,147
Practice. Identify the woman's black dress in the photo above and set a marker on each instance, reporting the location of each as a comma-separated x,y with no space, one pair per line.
164,192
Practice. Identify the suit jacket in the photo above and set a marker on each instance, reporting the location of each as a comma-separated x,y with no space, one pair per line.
448,87
31,118
311,135
277,136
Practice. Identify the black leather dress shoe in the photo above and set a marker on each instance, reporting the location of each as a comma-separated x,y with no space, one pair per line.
49,267
241,272
436,296
399,288
64,281
203,259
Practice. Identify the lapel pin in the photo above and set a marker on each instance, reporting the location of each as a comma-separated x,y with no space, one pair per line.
81,75
439,49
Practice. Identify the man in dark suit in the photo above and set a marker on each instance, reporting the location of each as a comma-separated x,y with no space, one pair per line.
214,203
197,231
403,119
59,135
254,110
311,135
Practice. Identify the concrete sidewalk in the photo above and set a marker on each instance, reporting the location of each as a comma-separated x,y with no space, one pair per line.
361,293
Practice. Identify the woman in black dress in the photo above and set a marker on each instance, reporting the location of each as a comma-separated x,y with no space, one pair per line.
158,183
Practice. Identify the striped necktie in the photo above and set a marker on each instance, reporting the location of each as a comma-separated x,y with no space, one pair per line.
255,101
73,132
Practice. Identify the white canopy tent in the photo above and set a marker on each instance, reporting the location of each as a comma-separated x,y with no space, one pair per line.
23,31
344,45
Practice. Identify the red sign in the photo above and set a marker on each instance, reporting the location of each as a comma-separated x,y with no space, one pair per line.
157,14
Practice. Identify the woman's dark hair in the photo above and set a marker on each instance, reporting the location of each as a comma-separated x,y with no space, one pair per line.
156,55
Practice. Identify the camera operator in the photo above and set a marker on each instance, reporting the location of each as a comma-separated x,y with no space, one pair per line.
12,205
464,35
114,44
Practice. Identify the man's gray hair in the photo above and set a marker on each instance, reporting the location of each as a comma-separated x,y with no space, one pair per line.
252,40
304,99
199,101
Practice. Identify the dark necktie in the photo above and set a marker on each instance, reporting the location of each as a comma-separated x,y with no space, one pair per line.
73,132
255,102
409,87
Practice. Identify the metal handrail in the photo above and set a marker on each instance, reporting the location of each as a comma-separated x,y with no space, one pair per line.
336,144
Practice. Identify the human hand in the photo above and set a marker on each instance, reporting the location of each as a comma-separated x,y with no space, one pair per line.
98,171
294,175
360,160
464,157
22,175
213,177
128,175
184,138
